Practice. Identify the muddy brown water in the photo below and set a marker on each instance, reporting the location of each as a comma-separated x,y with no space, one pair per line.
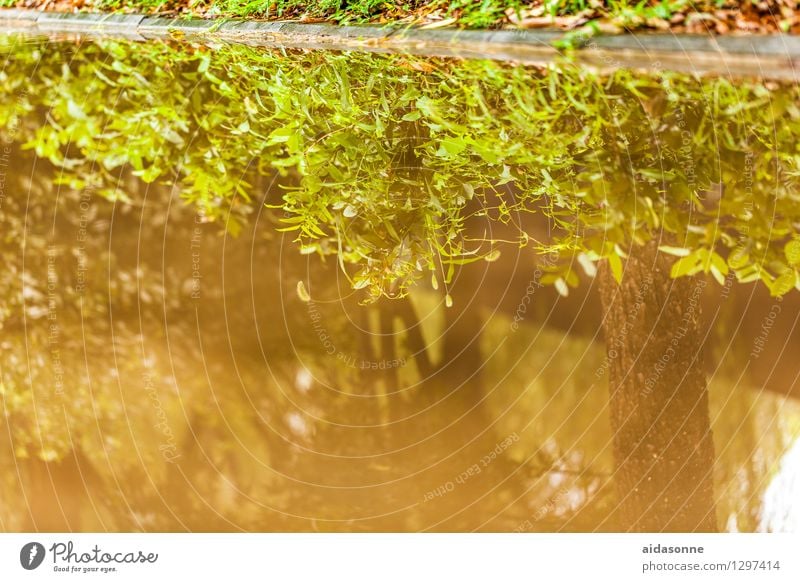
160,374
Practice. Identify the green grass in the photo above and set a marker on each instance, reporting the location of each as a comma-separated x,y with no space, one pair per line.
468,13
622,14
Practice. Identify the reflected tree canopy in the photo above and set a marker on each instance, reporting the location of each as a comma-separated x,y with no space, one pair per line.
392,156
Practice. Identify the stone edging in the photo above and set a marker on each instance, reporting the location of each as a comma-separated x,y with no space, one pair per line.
774,56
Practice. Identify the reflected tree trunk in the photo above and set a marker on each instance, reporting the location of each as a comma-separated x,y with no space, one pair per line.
663,448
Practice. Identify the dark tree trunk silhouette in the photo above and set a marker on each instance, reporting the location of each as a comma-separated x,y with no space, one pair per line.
663,448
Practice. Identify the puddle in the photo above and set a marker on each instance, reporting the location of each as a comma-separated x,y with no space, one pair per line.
286,290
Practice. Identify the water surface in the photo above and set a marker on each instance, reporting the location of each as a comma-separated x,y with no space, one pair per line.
307,291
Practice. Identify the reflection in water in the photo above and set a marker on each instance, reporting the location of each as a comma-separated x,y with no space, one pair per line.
776,513
171,361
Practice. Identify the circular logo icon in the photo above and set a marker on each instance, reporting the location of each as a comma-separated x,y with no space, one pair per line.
31,555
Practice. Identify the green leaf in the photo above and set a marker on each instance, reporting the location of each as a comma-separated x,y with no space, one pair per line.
587,264
427,107
717,274
675,251
302,293
792,251
205,62
492,256
719,264
784,283
738,258
690,265
748,274
75,110
281,135
451,147
616,266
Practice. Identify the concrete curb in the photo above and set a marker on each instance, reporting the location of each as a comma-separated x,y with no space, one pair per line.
773,56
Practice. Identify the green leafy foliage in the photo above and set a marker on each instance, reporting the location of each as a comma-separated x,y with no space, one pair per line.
385,161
